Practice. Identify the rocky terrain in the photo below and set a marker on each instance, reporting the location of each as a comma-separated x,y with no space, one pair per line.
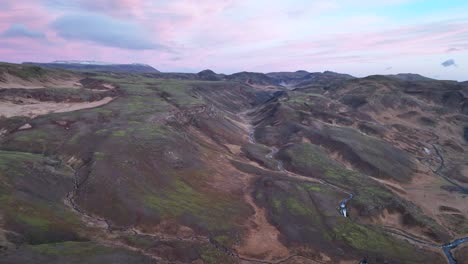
287,167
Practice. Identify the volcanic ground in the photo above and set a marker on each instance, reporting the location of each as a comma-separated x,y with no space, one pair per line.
287,167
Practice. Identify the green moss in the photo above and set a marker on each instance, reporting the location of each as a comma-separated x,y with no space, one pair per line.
11,157
214,211
148,131
179,92
211,255
38,214
276,203
136,104
259,196
222,239
180,198
139,241
101,132
312,187
119,133
33,221
300,100
365,238
5,199
70,249
24,72
104,111
297,208
307,157
99,155
31,135
36,217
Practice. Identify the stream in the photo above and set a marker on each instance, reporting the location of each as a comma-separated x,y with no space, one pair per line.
447,248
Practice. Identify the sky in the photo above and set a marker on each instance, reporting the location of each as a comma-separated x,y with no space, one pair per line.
359,37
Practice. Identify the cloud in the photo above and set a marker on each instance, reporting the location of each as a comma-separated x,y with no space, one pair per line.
119,8
449,63
452,50
106,31
21,31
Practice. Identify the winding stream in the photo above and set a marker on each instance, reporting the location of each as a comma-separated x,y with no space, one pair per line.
447,248
437,171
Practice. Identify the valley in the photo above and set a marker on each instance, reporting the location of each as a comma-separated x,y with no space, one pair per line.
287,167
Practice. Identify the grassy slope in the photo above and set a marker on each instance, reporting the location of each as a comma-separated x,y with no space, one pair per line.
158,170
74,253
29,209
32,73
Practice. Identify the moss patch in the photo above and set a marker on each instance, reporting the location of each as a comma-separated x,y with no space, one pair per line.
119,133
213,210
70,248
366,238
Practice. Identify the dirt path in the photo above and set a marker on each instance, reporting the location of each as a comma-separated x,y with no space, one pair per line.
33,108
262,241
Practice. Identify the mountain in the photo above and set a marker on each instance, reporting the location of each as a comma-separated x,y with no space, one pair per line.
327,78
209,75
252,78
410,77
96,66
287,77
174,168
291,80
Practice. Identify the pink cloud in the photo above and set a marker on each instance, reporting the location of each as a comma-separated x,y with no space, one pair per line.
237,35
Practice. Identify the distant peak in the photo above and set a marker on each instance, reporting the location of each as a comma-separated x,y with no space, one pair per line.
81,62
410,77
207,71
91,62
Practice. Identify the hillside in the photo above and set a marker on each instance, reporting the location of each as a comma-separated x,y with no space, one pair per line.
410,77
212,168
90,66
